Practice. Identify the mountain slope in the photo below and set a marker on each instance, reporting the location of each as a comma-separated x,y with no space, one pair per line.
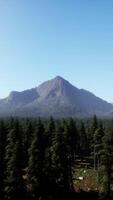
55,97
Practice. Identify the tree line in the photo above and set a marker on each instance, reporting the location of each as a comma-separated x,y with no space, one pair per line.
38,156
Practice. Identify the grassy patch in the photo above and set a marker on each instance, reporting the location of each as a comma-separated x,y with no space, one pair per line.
89,182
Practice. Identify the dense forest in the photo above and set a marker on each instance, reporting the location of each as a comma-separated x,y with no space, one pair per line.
51,159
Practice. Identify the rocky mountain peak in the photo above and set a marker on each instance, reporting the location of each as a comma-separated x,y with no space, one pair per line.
56,97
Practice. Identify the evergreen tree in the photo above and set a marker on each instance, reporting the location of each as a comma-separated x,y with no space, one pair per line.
49,136
93,130
98,144
60,161
27,137
35,171
2,154
71,134
83,142
14,185
106,164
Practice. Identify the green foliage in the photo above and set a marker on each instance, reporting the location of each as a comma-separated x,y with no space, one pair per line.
35,168
13,183
39,157
60,160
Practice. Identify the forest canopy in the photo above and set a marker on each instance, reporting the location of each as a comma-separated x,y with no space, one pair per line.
52,158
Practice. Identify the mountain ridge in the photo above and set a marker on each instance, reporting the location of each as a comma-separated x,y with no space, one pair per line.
57,97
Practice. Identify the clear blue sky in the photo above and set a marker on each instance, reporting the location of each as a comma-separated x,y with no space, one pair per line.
40,39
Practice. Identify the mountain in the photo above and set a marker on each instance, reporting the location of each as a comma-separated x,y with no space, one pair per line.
56,97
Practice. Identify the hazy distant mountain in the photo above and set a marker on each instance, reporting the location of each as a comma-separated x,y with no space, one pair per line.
55,97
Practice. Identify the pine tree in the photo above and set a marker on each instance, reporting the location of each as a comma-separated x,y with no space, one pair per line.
98,144
14,185
106,164
49,135
71,134
93,130
2,154
35,170
83,141
60,161
50,130
27,137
